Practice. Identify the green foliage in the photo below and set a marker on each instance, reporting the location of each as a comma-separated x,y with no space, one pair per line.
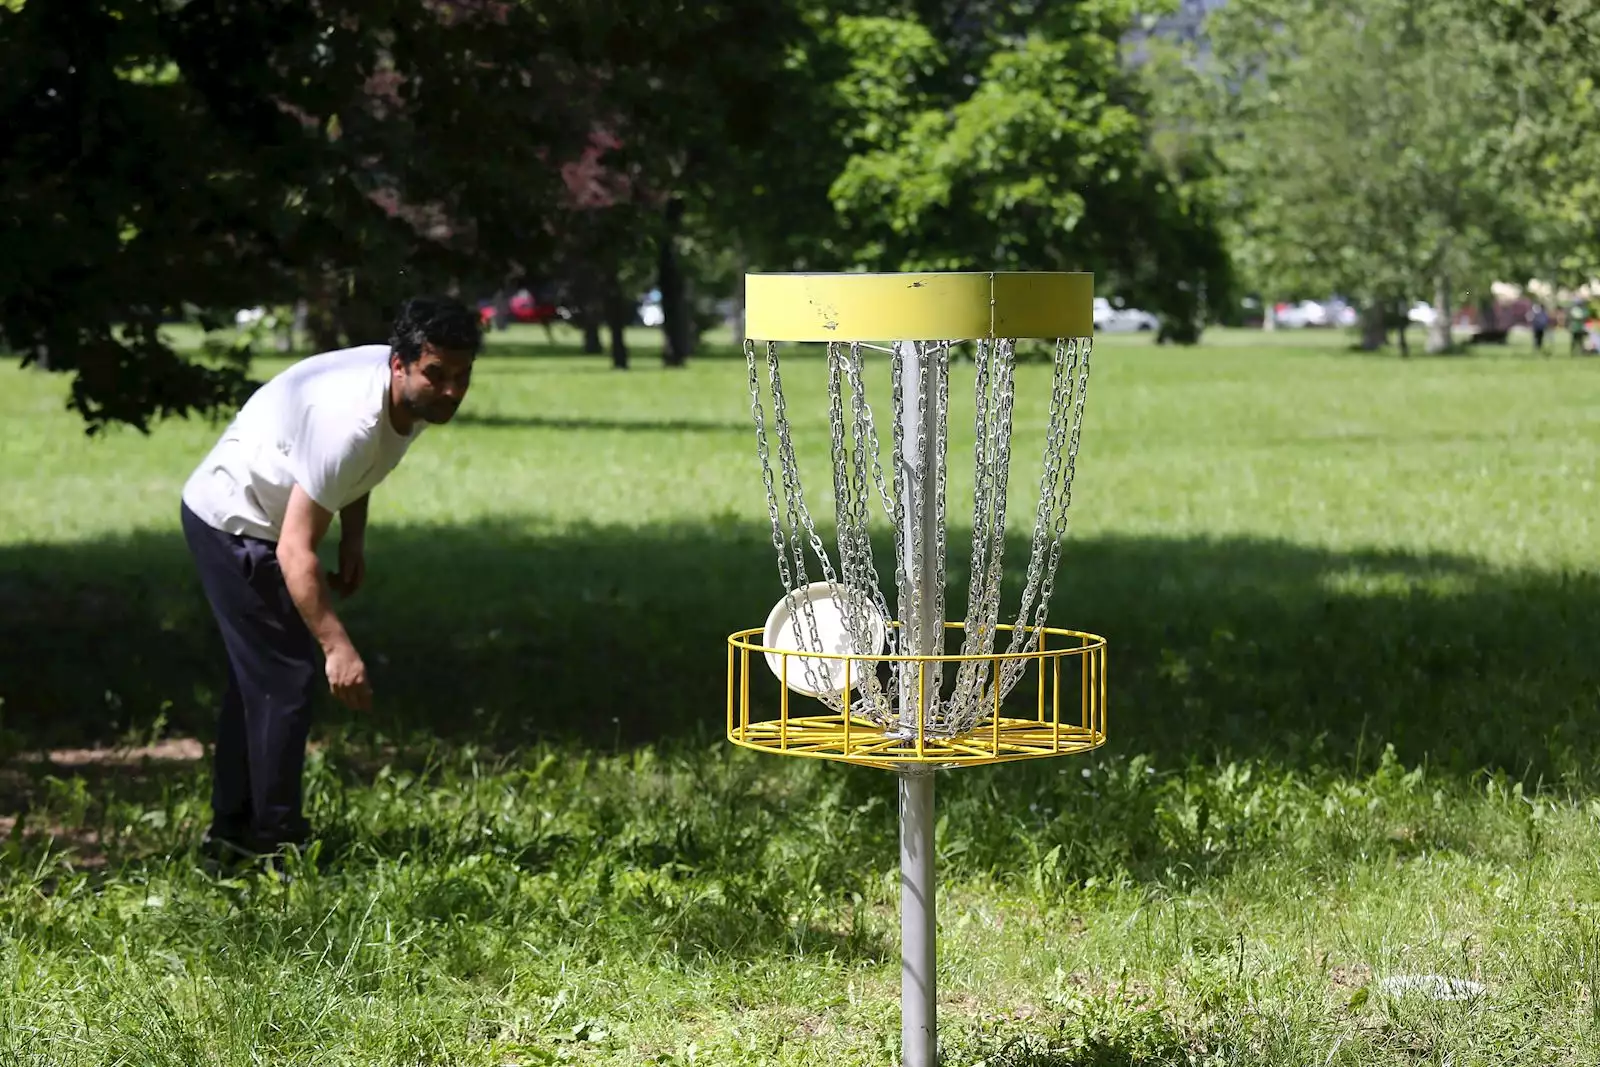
1043,162
1548,154
164,160
1370,147
177,162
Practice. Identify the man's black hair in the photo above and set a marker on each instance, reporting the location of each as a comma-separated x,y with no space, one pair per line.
440,321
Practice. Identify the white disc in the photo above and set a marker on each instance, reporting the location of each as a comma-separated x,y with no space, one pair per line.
832,676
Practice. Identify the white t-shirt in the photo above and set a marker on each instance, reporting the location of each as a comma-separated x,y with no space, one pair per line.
323,423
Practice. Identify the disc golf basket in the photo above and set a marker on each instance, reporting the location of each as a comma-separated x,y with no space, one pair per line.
903,688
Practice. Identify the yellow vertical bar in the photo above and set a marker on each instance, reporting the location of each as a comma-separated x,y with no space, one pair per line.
783,708
744,701
847,680
1086,715
731,673
1041,673
922,703
1103,731
1055,703
996,707
1055,696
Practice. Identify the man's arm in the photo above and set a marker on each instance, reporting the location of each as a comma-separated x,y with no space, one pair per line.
305,523
353,520
352,547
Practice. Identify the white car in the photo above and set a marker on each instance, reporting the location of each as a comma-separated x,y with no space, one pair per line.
1108,319
1298,316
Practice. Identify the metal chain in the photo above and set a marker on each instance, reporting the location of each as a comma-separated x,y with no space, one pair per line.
798,516
989,525
1059,529
1061,382
902,548
856,453
980,485
961,698
778,540
851,501
864,432
941,357
1055,438
911,600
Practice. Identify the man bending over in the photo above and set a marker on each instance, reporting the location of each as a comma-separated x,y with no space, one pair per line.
309,444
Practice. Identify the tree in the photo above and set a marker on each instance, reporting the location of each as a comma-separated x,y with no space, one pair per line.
165,157
729,106
1361,141
1549,155
1030,150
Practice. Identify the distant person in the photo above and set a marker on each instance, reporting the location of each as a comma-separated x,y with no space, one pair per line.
1578,327
1539,320
309,444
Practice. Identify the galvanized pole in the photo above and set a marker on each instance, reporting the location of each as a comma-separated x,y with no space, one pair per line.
919,518
918,929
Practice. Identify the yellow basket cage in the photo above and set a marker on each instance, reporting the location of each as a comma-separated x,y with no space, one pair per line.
1065,663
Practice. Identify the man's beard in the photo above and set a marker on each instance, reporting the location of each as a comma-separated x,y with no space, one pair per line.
433,411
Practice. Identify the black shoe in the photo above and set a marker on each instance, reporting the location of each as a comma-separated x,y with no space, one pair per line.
225,853
226,857
224,845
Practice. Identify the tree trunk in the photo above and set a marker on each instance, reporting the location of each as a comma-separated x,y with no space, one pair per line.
740,266
323,326
592,345
1269,315
1374,330
619,345
1488,313
297,326
362,318
675,325
618,314
1439,339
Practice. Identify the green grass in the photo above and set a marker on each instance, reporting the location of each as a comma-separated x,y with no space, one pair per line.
1353,735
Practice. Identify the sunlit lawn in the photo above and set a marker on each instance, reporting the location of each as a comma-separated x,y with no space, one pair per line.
539,848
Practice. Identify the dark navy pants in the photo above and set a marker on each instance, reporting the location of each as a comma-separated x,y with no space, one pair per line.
272,669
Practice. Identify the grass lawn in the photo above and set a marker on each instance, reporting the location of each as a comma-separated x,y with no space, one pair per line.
1353,719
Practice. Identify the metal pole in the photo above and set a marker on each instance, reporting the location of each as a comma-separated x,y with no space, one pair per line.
918,926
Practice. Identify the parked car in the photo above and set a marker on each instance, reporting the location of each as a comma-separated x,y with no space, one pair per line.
1307,313
1108,319
524,307
1423,314
1342,313
650,310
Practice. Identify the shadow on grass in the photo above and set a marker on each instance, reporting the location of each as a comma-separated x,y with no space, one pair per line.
609,637
1095,1050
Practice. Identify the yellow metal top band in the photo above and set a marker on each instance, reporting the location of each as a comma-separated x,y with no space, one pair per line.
939,306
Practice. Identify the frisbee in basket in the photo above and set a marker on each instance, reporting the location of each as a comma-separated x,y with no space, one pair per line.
830,675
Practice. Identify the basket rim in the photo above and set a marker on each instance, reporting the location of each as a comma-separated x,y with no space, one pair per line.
741,639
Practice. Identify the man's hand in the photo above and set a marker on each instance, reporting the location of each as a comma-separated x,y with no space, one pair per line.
304,524
347,677
352,567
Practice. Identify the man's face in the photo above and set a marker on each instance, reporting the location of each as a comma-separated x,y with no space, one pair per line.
433,387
